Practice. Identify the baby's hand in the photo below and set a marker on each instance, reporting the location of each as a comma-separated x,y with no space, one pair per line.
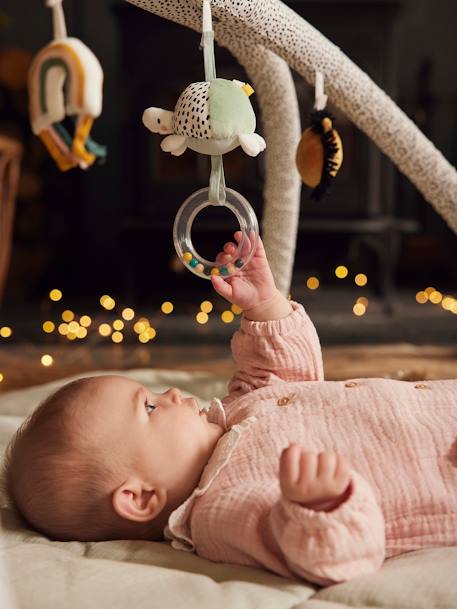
251,286
319,481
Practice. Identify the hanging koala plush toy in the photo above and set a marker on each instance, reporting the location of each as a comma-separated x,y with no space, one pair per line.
211,117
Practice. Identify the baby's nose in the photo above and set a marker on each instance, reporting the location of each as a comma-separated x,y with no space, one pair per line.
174,394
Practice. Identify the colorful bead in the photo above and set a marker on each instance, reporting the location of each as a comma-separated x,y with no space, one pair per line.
231,268
239,263
200,268
224,270
187,257
193,263
215,271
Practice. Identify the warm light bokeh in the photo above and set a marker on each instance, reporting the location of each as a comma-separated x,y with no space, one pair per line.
55,295
341,272
47,360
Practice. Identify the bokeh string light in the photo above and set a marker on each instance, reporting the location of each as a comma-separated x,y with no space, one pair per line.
434,296
47,360
202,317
227,317
55,295
68,315
48,327
107,302
341,272
68,328
312,283
206,306
167,307
361,280
128,314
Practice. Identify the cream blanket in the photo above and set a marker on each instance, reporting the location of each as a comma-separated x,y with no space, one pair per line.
140,574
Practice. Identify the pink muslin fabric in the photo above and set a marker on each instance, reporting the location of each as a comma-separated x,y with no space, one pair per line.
400,438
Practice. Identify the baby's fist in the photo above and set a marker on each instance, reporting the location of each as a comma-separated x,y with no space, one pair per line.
319,481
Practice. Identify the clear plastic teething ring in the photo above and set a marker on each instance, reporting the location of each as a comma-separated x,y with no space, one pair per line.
183,241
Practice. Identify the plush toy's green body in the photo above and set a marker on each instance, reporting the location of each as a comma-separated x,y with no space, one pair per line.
210,117
230,109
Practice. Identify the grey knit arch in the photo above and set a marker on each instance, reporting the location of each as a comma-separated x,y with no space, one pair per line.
267,37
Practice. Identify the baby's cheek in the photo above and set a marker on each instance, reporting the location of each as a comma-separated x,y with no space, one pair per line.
188,435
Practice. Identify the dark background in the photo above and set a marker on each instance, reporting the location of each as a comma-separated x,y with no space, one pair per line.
108,230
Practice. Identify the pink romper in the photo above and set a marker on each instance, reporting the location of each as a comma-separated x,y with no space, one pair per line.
400,438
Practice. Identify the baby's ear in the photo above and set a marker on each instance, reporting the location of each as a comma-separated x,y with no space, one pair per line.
137,501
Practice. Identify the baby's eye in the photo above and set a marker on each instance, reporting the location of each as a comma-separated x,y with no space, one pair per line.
150,408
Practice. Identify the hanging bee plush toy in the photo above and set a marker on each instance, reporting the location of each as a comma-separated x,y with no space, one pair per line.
320,151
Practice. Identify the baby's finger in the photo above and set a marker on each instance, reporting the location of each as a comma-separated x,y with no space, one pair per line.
289,466
229,247
222,287
247,244
326,464
308,467
260,250
223,258
342,468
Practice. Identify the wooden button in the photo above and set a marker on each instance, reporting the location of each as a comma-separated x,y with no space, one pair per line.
421,386
283,401
350,384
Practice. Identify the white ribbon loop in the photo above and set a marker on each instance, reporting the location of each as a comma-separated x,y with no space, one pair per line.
321,99
58,19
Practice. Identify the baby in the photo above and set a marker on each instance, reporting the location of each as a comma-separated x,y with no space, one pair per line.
307,478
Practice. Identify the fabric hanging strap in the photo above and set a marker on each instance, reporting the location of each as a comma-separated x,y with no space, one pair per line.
320,97
217,181
217,178
58,18
207,43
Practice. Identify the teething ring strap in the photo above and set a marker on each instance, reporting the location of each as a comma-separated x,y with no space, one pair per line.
217,182
217,178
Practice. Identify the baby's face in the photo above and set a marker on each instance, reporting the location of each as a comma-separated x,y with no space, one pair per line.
161,436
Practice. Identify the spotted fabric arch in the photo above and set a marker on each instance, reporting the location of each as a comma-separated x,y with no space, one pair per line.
191,115
257,32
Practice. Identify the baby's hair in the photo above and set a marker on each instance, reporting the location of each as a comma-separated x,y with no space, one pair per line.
59,482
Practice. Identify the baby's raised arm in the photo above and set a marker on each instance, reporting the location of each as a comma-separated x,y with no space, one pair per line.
253,289
276,341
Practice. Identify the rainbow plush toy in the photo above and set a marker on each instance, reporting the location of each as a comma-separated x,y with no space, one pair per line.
66,79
